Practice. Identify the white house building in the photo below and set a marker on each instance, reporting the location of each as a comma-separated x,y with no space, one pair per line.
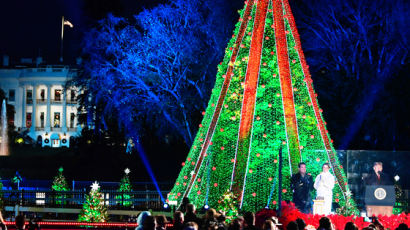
43,106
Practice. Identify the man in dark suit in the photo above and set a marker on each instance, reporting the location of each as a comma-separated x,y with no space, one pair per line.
302,185
377,177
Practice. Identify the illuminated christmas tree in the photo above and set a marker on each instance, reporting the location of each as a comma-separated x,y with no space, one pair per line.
125,188
263,98
228,205
59,185
94,209
59,182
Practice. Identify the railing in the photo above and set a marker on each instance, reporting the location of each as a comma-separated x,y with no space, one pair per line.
39,128
75,199
71,101
29,101
54,101
58,129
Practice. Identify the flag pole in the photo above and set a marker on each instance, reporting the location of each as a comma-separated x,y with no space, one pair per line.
62,37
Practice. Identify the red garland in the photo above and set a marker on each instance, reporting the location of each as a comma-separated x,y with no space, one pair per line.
291,213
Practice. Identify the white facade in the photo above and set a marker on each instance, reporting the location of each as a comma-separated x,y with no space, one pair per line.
42,104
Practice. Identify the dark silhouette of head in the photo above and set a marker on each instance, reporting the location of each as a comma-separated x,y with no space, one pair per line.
292,226
350,226
324,223
190,208
178,217
301,223
149,223
20,222
249,218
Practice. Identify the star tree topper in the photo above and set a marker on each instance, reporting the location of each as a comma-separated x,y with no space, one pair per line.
95,186
127,171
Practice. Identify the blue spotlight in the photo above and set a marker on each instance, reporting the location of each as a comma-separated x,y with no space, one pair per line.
166,206
206,207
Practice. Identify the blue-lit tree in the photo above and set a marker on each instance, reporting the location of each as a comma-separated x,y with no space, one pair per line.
358,54
154,69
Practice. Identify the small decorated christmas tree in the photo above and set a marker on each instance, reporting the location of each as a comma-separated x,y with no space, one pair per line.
59,182
228,204
125,189
60,185
401,201
94,209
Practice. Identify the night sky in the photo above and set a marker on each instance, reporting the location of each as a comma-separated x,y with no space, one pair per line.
33,28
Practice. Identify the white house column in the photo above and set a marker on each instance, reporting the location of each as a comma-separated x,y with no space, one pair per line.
64,117
23,108
48,117
34,114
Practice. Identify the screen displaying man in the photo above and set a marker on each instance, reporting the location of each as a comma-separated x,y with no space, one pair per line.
378,177
324,184
302,185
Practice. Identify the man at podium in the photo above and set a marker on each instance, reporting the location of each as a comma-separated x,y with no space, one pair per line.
379,193
378,177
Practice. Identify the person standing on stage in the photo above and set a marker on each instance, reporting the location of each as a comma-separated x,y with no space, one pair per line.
302,185
377,177
324,184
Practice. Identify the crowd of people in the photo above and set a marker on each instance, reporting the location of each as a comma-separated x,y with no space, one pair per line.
213,220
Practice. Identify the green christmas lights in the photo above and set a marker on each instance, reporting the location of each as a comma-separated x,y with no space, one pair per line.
94,209
213,160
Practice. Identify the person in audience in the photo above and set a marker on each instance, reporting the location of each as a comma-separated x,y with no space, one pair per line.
325,224
269,225
292,226
301,223
20,222
161,222
249,218
221,222
190,215
402,226
149,223
210,219
140,219
191,226
178,221
2,223
351,226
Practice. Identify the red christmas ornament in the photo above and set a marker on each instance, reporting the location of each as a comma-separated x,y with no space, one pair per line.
192,163
213,168
284,190
221,130
199,180
311,136
185,177
254,194
199,192
216,184
222,148
258,155
200,125
274,202
203,112
183,164
270,105
270,179
250,170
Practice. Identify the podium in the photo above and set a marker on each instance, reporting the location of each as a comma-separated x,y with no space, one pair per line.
319,207
379,200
